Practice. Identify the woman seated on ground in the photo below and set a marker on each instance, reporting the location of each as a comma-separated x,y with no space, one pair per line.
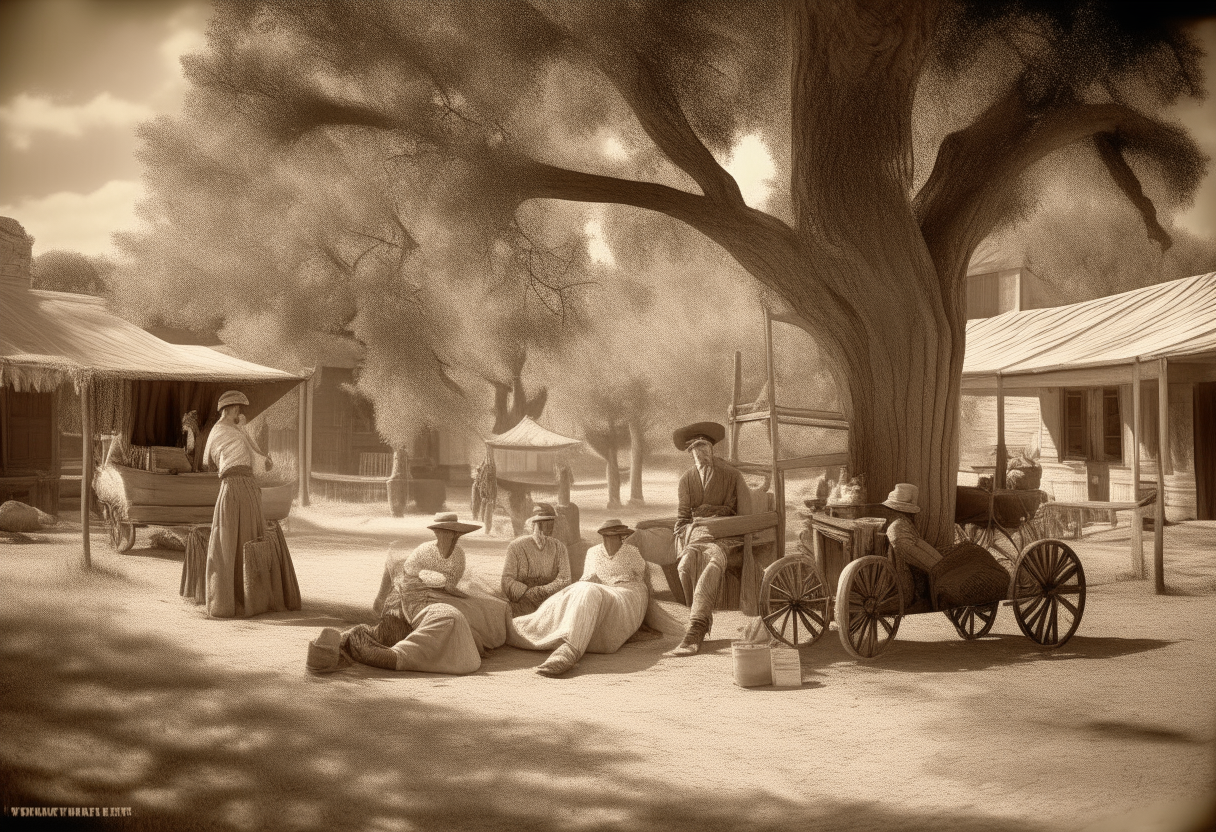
596,614
963,575
427,622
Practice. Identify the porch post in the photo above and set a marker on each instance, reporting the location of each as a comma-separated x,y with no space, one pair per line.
301,442
86,465
1163,456
1002,456
1138,514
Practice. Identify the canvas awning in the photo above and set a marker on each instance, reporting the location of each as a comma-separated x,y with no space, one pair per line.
47,338
530,436
1095,342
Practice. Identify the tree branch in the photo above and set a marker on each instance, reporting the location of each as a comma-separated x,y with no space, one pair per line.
969,191
639,77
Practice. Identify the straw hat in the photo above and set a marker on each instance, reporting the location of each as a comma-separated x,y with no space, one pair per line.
711,432
232,397
448,520
613,526
903,498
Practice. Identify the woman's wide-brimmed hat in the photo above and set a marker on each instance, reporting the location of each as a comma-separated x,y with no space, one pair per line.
542,511
613,526
711,432
449,520
903,498
230,398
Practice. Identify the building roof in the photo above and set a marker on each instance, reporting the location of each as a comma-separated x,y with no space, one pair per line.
47,338
530,436
1169,320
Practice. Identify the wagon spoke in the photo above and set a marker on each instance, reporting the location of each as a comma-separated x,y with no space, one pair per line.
816,617
778,589
1068,605
1070,572
806,622
886,625
770,617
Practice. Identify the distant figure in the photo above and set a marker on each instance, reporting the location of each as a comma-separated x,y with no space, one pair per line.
238,511
192,431
597,614
537,564
427,623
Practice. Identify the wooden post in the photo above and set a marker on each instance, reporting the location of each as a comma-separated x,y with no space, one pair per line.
778,479
1138,515
1163,455
1002,456
308,389
4,434
732,447
86,464
301,429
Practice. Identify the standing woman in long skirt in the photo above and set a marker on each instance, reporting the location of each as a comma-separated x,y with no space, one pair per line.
238,511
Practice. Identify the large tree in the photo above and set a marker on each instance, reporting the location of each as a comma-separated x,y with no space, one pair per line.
904,132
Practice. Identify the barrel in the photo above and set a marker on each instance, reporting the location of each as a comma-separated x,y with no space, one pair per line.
1180,500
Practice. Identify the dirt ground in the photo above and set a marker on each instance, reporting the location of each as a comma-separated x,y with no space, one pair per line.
115,692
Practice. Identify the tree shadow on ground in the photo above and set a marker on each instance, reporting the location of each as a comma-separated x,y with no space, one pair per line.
97,715
981,654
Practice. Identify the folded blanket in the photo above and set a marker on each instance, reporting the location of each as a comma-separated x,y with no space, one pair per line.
967,576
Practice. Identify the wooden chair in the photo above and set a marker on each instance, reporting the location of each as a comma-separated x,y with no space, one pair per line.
748,539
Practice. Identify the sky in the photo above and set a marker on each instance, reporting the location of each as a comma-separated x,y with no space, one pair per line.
78,76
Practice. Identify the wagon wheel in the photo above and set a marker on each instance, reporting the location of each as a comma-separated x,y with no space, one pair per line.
794,604
1049,592
869,606
973,622
122,535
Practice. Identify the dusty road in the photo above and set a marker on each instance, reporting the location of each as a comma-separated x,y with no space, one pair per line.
115,692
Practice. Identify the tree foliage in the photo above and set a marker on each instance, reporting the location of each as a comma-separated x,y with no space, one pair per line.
903,133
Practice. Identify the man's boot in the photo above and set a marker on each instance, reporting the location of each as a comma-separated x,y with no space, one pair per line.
691,644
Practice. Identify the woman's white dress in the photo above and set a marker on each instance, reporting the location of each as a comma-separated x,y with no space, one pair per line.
596,614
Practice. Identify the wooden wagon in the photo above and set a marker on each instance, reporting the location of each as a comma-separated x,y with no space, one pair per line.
846,572
131,499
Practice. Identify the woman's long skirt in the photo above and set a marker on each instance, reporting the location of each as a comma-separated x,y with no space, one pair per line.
236,521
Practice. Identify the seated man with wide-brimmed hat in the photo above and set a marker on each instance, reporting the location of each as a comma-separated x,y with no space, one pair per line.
707,489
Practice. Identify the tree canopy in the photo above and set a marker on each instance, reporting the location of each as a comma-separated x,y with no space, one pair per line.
903,134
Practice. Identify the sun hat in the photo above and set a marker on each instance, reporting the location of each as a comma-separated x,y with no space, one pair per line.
903,498
542,511
449,521
613,526
230,398
685,437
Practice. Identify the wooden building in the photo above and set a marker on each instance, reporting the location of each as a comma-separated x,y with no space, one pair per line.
1082,382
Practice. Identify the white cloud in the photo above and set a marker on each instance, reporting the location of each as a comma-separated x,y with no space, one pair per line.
28,114
78,222
752,166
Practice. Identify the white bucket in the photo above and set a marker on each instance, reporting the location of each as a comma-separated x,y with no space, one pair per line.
752,664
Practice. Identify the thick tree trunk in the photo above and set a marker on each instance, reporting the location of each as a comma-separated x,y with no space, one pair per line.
637,452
